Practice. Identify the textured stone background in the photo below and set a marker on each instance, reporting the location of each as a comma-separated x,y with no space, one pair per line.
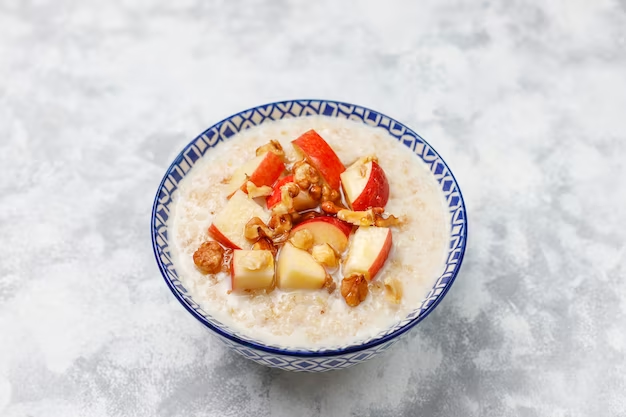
524,100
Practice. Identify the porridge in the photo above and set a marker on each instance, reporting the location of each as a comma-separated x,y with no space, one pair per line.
309,232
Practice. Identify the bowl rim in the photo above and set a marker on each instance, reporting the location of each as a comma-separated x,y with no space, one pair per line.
353,348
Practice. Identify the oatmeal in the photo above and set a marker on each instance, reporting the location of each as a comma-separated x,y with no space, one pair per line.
315,292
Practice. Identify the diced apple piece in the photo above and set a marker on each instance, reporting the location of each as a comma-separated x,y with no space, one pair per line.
368,251
326,229
365,185
229,224
257,192
296,269
261,170
321,156
251,269
302,201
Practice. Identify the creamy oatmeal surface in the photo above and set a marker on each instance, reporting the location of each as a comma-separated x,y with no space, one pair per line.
314,318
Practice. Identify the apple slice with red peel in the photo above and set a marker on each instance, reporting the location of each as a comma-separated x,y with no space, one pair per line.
303,201
261,170
365,185
326,229
297,269
368,251
321,156
251,269
229,224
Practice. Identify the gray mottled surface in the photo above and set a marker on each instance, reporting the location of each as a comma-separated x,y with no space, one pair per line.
526,101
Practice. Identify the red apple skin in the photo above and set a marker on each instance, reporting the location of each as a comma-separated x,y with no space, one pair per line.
381,258
215,233
321,156
376,191
275,197
268,170
345,227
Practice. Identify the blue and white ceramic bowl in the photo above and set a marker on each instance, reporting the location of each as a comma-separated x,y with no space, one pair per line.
319,359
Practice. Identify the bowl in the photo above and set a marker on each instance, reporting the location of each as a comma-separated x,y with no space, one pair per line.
319,359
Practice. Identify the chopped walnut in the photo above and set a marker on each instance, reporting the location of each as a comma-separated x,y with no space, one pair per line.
280,223
328,194
302,239
359,218
272,146
393,290
354,289
265,244
389,221
287,194
370,217
331,208
209,257
256,229
255,192
315,192
304,175
330,285
325,255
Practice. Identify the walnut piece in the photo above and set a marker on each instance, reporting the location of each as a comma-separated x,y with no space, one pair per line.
287,194
272,146
325,255
370,217
331,208
330,285
302,239
315,192
328,194
256,192
209,257
256,229
304,175
389,221
359,218
393,290
354,289
280,223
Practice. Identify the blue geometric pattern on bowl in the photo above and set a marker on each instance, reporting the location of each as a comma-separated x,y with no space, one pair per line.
304,359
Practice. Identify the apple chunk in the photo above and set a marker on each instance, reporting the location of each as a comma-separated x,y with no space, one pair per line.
368,251
326,229
365,185
321,156
297,269
229,224
251,269
262,170
302,201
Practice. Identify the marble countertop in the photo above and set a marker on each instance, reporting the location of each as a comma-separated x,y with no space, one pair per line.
524,100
